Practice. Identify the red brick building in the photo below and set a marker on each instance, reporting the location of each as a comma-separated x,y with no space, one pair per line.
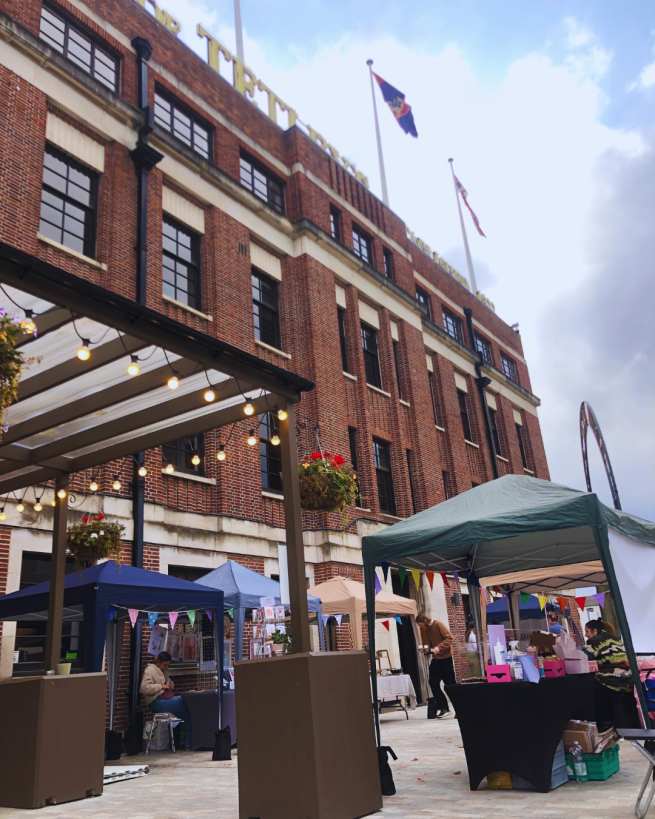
264,237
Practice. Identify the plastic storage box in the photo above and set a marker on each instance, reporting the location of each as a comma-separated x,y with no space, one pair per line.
599,766
554,668
559,776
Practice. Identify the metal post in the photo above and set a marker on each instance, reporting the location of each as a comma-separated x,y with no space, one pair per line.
57,577
469,261
383,176
238,30
293,525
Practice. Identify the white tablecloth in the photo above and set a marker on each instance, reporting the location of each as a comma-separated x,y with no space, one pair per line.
395,686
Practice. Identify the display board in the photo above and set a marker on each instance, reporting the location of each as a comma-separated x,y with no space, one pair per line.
634,565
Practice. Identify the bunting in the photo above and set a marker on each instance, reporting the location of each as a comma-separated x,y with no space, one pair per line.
581,602
152,618
600,599
542,601
402,571
192,617
416,574
562,602
378,585
456,579
385,570
398,619
524,597
172,616
338,618
430,577
133,616
112,613
444,577
210,614
385,623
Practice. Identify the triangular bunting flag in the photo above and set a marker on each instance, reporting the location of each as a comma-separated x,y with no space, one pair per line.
430,577
231,613
325,618
338,617
210,614
456,578
444,577
378,585
398,619
524,597
417,578
600,599
542,601
112,613
385,570
192,616
497,589
562,602
402,571
385,623
581,602
152,618
172,616
133,615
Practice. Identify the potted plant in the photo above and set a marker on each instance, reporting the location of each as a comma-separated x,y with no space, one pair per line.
94,538
64,667
11,359
281,642
327,483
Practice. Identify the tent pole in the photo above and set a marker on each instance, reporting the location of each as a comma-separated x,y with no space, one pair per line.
57,577
369,586
474,602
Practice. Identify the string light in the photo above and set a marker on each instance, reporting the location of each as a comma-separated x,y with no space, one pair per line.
37,506
195,459
133,367
210,396
174,381
220,455
142,472
169,469
3,514
275,440
20,507
28,326
249,409
282,414
251,438
62,493
53,502
84,354
116,484
93,486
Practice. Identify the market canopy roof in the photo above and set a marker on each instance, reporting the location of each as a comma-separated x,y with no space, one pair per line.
73,415
550,580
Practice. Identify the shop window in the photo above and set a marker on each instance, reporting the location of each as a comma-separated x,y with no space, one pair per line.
335,223
270,459
452,325
68,202
384,477
342,339
180,263
262,183
362,245
266,309
352,440
464,415
371,358
423,298
182,125
183,452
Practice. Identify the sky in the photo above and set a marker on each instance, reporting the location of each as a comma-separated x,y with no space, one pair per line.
547,109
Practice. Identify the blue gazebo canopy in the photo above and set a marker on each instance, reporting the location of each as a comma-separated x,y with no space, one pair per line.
497,612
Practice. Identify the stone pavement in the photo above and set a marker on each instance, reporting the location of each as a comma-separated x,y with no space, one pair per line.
430,777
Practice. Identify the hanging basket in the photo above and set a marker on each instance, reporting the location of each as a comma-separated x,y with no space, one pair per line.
11,360
94,539
327,484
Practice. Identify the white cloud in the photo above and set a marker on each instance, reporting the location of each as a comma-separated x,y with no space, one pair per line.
588,59
646,78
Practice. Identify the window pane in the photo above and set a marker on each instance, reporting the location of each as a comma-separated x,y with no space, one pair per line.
463,411
67,214
382,456
181,274
453,326
52,29
265,309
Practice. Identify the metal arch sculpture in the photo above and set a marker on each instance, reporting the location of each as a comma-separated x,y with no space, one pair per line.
588,419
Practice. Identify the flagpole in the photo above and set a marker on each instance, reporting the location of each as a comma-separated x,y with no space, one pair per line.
383,176
239,32
474,285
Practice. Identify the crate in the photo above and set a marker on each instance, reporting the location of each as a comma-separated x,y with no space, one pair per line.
559,777
599,766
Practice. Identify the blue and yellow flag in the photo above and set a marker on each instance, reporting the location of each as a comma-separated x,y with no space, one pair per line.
399,108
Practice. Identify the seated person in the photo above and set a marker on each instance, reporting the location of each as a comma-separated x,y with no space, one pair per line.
554,625
155,683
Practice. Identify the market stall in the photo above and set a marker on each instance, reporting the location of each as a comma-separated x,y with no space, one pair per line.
519,524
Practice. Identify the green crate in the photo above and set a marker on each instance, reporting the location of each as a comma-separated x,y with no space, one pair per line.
599,766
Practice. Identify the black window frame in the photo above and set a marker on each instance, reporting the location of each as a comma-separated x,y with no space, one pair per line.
65,49
423,297
180,451
384,476
412,493
452,325
483,346
270,456
371,352
387,257
335,223
274,198
522,449
269,309
510,370
352,441
192,265
341,314
464,415
49,192
362,245
396,361
493,422
195,141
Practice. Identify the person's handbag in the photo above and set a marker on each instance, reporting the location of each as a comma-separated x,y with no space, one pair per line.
223,745
167,694
386,777
432,708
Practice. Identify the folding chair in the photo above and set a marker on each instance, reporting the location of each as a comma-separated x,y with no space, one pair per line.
633,735
161,719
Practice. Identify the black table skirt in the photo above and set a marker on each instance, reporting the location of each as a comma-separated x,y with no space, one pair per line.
204,707
517,726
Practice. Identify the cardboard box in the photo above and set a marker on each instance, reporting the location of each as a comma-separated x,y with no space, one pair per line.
583,738
541,639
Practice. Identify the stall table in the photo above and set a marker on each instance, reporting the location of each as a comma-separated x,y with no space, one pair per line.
517,726
394,686
204,707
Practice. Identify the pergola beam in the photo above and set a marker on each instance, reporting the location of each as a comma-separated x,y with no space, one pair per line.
47,322
25,479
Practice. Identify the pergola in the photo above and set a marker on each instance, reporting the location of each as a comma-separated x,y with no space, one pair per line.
74,414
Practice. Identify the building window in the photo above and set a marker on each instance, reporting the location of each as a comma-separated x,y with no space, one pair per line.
371,359
464,414
342,338
452,325
484,348
189,573
181,453
265,309
181,263
423,298
493,420
519,435
433,396
269,454
444,478
79,48
382,452
352,440
396,360
335,223
263,184
182,125
388,263
509,368
411,480
68,203
361,245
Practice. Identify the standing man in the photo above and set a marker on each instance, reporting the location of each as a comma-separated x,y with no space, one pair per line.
440,641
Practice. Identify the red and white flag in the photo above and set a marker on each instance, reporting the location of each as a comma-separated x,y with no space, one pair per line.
463,193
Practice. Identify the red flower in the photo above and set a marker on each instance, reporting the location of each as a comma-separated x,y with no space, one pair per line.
339,460
326,454
100,517
334,464
85,518
316,456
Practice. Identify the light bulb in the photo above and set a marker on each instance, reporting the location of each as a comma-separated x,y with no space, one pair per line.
28,326
62,493
142,472
84,354
20,507
169,469
133,367
37,507
275,440
173,382
220,455
3,514
53,502
116,484
248,409
195,460
282,414
93,486
210,396
251,438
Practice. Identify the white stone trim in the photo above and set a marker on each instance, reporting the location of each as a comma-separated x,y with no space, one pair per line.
186,307
265,261
518,418
377,389
471,443
74,143
369,314
460,382
86,259
404,403
394,331
184,211
272,349
350,376
491,400
340,293
429,362
188,477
